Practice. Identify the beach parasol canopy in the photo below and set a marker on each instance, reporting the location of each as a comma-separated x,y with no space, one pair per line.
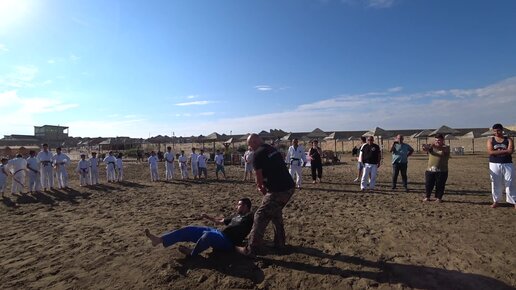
445,130
317,134
506,132
377,132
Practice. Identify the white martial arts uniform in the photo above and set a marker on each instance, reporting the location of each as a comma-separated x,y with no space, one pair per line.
120,168
45,169
83,168
182,166
61,161
94,170
34,174
110,162
3,178
153,166
18,166
296,157
169,165
248,161
194,165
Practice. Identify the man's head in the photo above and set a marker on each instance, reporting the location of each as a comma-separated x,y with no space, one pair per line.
363,139
19,155
58,150
439,139
399,138
120,155
45,147
193,150
202,151
370,140
4,160
182,152
218,151
152,153
32,153
94,154
254,141
244,205
169,148
498,129
295,142
83,156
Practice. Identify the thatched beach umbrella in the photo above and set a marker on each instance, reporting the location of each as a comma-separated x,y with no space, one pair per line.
379,133
423,134
450,137
332,137
471,135
213,137
445,130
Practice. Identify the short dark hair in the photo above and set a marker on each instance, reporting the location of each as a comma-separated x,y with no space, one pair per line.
363,138
498,126
439,136
168,147
246,201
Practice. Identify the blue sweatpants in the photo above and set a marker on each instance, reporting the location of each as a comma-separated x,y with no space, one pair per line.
204,237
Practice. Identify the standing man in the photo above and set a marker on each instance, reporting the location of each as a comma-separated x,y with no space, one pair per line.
153,166
193,163
400,153
501,169
94,169
45,160
34,174
182,160
296,158
315,154
120,167
60,161
110,162
3,175
219,163
275,183
436,173
248,163
360,164
201,162
169,164
371,157
18,166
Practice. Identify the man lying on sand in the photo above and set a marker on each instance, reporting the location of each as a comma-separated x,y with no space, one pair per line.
237,228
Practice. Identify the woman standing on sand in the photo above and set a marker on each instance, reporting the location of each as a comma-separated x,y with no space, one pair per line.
501,169
436,173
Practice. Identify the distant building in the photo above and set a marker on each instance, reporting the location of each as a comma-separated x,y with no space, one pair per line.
53,135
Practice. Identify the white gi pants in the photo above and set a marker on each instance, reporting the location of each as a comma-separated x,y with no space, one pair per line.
369,169
120,176
195,170
94,176
62,176
47,176
502,178
169,170
296,171
184,171
154,174
34,181
18,182
110,172
83,176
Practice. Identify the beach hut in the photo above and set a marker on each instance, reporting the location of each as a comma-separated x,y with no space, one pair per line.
317,134
379,133
445,130
213,137
471,135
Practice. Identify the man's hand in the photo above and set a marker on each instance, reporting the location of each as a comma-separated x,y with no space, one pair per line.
262,189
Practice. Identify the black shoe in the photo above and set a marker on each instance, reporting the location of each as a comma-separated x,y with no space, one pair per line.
406,189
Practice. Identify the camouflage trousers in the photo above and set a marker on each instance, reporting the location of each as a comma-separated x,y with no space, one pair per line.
271,209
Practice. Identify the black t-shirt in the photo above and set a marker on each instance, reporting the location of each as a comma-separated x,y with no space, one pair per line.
316,157
238,227
275,174
371,154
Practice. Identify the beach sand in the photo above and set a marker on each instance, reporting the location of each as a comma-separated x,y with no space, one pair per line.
339,237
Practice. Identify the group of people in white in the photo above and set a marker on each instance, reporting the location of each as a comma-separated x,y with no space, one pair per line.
195,163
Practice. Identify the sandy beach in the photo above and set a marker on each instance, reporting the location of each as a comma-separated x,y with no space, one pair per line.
339,237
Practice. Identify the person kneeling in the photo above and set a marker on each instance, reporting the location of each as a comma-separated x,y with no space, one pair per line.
236,230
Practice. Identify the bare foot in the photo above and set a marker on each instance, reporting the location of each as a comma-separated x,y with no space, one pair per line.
426,199
495,205
438,200
154,239
185,250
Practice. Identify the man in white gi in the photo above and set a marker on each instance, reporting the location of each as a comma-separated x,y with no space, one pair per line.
94,169
153,166
34,174
45,168
296,158
83,168
18,166
110,162
3,175
120,167
182,165
201,163
219,163
193,163
248,163
169,164
61,161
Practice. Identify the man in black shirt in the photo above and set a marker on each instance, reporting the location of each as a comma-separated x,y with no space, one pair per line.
371,157
275,183
237,228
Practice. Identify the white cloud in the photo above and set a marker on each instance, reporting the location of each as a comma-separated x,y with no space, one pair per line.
207,114
22,76
3,48
73,58
191,97
371,3
194,103
395,89
263,88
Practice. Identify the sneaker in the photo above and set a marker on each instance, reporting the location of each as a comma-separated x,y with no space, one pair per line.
356,180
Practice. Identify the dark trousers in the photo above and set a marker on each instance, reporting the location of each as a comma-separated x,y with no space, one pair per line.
396,169
437,180
316,167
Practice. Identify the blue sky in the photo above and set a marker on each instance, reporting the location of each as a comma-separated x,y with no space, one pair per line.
143,68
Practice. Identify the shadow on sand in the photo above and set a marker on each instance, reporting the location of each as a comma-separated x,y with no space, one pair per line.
414,276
